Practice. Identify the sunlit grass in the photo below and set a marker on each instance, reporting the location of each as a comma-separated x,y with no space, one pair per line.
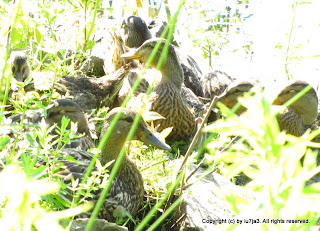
264,147
278,164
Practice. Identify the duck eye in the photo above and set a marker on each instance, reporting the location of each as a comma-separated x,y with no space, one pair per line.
237,91
129,119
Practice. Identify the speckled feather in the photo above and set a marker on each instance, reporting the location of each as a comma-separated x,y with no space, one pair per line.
94,92
302,113
191,81
168,102
291,122
214,83
135,32
125,191
127,187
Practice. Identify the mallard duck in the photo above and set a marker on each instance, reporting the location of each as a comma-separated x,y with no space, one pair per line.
136,67
127,188
214,83
21,70
299,114
167,99
236,89
54,113
94,92
19,65
134,32
88,93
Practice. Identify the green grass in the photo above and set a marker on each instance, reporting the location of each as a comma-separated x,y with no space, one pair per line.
272,159
33,202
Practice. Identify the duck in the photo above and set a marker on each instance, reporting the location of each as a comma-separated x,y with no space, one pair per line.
215,82
233,91
127,190
20,70
166,97
303,112
54,112
93,93
294,119
19,65
134,32
88,93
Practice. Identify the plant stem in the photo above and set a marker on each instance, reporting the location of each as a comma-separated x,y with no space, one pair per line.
290,37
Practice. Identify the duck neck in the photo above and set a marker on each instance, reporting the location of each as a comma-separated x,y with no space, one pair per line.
172,72
112,148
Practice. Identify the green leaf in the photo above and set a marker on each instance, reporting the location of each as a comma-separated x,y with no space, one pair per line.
52,20
4,141
90,44
30,139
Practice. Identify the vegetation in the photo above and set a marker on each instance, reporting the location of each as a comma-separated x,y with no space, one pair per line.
278,164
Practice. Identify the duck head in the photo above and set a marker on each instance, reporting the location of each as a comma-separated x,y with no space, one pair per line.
134,31
235,90
124,125
306,106
65,107
19,65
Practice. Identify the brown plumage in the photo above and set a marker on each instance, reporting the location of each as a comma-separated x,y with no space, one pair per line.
88,93
301,113
54,113
134,32
19,65
235,90
214,83
127,188
94,92
166,98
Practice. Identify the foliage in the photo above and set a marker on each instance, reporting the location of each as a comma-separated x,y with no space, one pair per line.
219,26
21,209
278,164
31,202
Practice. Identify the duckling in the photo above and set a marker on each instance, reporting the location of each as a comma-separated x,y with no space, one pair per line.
214,83
236,89
21,70
55,111
134,32
127,188
65,107
89,93
19,65
299,114
92,93
167,99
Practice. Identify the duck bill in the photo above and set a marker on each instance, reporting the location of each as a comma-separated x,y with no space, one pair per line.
131,55
18,77
149,138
